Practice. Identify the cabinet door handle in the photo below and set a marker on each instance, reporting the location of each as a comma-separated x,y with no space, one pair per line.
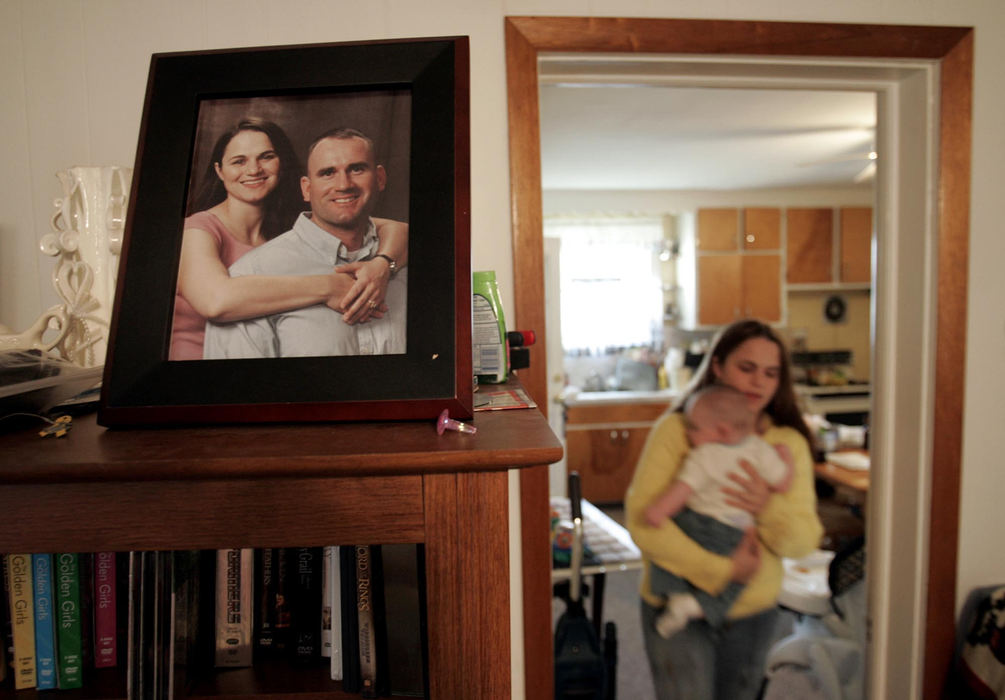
624,435
614,436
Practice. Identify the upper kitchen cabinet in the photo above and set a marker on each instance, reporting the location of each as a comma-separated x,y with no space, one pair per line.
744,262
731,287
816,259
762,228
738,276
720,288
717,229
762,293
856,244
809,246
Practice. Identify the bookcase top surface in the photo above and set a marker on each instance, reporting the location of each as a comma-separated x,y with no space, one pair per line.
505,439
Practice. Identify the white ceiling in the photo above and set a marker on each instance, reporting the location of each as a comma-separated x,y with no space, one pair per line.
657,137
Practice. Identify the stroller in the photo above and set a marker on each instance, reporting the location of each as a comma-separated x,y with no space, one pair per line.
584,670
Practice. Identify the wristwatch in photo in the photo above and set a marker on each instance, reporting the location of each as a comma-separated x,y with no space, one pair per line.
391,264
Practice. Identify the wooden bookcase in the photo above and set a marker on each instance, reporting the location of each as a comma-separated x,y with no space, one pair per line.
296,485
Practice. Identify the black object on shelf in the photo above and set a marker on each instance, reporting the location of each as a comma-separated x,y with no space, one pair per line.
519,355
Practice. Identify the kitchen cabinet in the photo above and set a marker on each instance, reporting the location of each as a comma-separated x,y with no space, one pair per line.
814,256
603,443
738,280
856,244
731,287
739,253
762,228
809,245
719,288
717,229
761,287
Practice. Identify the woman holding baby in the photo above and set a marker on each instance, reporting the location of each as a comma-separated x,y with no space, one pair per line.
726,661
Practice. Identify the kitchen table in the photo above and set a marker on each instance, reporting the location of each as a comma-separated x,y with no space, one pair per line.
850,482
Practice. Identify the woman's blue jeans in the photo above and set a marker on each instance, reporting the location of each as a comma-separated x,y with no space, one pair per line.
702,663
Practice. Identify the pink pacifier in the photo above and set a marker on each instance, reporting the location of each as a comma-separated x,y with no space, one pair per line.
445,422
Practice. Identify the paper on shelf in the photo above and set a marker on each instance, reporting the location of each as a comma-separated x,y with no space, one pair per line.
503,399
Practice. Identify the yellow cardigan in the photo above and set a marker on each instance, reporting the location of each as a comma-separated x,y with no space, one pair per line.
788,525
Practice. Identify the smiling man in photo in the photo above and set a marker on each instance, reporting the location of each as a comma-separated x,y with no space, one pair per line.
342,184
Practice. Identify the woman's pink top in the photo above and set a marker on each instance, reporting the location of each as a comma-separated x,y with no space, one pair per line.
188,329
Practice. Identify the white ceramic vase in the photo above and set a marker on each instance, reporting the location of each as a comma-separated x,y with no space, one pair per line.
86,238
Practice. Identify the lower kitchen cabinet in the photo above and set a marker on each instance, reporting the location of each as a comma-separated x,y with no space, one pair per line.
603,443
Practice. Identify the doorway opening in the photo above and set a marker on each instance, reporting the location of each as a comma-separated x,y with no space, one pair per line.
924,88
635,171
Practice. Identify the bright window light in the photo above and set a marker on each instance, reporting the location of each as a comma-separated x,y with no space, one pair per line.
611,291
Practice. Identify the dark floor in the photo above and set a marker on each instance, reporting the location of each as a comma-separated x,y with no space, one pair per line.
621,605
621,599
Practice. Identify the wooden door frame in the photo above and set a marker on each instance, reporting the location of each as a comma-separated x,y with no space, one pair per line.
952,49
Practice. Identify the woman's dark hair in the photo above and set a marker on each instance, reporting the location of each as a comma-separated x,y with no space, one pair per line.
783,408
283,204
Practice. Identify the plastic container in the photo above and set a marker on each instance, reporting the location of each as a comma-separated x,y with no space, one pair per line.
488,330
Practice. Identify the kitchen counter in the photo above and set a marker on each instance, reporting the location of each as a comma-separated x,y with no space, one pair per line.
818,389
597,398
604,398
835,399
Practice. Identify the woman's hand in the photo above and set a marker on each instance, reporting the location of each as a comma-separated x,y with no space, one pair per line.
753,491
340,286
746,557
365,299
335,304
654,516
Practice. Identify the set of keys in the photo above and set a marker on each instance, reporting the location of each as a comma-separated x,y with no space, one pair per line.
58,427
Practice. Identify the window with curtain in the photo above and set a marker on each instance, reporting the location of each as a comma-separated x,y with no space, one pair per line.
611,291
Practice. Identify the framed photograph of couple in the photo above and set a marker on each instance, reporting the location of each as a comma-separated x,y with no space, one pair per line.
297,246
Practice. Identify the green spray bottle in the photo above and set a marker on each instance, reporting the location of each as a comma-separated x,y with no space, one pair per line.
488,330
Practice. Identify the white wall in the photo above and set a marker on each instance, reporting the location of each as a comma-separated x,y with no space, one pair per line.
73,74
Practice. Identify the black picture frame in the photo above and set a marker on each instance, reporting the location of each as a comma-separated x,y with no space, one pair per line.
142,387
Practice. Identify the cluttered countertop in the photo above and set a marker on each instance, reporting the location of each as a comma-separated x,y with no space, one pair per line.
573,396
576,397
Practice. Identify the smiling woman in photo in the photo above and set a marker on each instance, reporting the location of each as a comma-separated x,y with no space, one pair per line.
250,193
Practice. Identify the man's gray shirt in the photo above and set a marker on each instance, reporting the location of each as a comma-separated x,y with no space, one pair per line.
307,249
